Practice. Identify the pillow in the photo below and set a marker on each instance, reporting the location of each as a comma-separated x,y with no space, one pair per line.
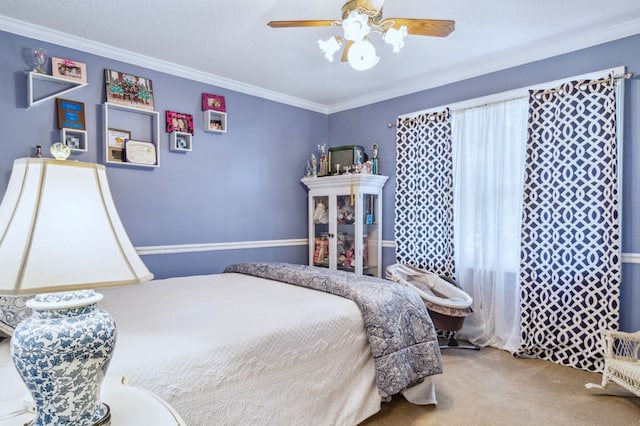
13,309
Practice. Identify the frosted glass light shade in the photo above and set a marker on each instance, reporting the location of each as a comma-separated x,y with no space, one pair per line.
396,37
329,47
356,26
362,56
59,230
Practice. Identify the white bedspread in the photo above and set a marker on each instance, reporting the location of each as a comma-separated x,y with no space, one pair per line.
231,349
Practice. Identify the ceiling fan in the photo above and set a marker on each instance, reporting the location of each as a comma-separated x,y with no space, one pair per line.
359,19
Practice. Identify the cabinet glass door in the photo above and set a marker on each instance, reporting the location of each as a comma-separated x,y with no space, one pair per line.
370,236
320,231
345,236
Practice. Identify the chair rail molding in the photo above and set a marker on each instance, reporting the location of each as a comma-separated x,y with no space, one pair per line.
630,257
237,245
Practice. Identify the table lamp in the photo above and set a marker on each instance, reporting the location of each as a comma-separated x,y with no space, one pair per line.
61,237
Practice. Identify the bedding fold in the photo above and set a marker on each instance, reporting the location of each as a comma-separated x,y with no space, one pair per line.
403,341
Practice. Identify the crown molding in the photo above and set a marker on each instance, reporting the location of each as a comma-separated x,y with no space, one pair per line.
63,39
558,45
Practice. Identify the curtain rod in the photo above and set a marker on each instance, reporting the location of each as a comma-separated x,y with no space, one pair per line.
610,77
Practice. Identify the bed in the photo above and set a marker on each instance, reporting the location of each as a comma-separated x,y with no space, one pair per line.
245,347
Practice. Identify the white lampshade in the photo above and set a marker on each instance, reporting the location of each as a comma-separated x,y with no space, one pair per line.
59,230
396,37
329,47
362,55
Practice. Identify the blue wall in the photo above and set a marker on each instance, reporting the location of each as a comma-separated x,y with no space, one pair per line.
367,125
245,185
235,187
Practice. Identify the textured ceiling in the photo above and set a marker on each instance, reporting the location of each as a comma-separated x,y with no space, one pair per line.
230,41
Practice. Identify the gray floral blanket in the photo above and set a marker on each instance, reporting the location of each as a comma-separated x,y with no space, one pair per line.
403,340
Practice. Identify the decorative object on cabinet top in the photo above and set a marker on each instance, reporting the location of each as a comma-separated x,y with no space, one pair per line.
69,70
348,159
128,90
213,102
179,122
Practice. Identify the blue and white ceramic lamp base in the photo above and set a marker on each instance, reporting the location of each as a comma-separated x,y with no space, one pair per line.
62,353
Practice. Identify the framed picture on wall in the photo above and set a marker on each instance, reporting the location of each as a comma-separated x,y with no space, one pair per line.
68,69
140,152
117,137
128,89
213,102
179,122
70,114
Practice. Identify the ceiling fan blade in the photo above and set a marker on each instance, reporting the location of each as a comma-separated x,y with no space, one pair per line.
309,23
423,27
345,52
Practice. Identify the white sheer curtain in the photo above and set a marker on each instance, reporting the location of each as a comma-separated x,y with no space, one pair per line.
488,152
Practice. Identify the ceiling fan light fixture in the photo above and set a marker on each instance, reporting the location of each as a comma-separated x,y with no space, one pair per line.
395,37
329,47
359,19
356,26
362,55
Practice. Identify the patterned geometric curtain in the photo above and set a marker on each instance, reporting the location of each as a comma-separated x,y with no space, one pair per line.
424,193
570,260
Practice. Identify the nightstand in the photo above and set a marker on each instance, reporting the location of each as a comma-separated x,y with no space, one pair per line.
130,406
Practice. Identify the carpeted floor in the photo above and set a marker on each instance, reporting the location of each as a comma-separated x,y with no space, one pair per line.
491,387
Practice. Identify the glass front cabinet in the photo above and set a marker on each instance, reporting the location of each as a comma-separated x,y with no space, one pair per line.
345,222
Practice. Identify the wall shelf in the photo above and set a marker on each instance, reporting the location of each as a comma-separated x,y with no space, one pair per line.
141,124
215,121
75,139
58,85
180,142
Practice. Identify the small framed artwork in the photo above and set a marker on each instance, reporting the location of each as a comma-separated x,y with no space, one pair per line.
117,138
115,154
68,69
179,122
70,114
140,152
129,90
74,139
213,102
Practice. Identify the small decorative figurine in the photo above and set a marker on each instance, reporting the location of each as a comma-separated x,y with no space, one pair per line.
323,160
314,165
38,151
374,159
307,170
320,213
